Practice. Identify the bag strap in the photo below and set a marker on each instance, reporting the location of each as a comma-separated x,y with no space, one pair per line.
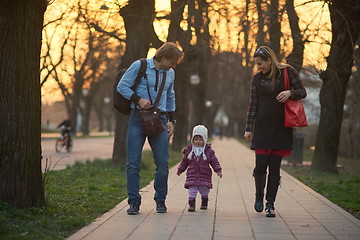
286,79
141,73
161,89
157,100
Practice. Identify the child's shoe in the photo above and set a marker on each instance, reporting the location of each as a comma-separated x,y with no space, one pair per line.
191,205
204,203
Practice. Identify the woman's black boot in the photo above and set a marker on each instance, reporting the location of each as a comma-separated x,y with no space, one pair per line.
204,203
191,205
270,210
259,195
271,191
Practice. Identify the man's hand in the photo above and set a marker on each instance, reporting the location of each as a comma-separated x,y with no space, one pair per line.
144,103
170,127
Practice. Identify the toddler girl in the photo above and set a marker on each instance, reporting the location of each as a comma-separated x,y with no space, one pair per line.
197,159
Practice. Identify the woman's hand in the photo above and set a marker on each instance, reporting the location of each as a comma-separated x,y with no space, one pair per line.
219,174
248,136
283,96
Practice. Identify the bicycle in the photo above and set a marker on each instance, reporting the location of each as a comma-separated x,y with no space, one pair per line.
62,141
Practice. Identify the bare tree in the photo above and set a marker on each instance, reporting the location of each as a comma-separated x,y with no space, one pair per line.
236,70
350,137
176,33
345,21
296,57
20,111
195,42
83,58
260,36
199,21
102,103
231,71
230,81
275,28
48,64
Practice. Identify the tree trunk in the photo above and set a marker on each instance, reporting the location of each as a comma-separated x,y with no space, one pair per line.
182,108
198,10
345,32
260,36
77,104
246,74
182,83
21,24
138,17
88,101
182,75
350,137
275,28
296,57
101,114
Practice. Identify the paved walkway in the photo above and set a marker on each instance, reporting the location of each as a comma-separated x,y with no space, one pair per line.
85,149
301,212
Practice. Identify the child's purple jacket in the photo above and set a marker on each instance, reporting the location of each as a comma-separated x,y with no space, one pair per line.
199,171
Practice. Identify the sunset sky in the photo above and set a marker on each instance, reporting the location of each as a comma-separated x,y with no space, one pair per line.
312,15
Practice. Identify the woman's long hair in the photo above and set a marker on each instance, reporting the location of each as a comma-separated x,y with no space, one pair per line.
265,53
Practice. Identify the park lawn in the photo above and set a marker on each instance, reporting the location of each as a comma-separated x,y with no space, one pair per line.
342,188
75,197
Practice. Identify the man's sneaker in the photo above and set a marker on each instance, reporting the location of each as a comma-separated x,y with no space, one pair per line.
133,209
160,207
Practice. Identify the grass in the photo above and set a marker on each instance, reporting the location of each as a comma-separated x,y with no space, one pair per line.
75,197
342,189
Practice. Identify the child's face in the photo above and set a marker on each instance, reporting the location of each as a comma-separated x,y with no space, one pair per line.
198,141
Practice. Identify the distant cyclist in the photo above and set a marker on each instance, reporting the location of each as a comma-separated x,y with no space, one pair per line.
66,124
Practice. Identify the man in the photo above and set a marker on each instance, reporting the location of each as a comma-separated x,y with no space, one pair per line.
159,68
66,124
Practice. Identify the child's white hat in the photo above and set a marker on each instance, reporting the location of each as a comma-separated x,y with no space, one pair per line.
199,130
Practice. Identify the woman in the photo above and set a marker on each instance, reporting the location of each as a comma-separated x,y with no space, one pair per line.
269,138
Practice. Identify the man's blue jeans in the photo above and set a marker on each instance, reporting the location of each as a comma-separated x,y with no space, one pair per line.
134,145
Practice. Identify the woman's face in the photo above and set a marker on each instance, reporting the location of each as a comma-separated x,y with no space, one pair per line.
263,65
198,141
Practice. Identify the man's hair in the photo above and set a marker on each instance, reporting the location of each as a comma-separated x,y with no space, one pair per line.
169,50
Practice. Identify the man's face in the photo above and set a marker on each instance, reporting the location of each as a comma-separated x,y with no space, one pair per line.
166,64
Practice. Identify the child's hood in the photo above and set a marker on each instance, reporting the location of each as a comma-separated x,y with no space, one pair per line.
202,131
188,148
